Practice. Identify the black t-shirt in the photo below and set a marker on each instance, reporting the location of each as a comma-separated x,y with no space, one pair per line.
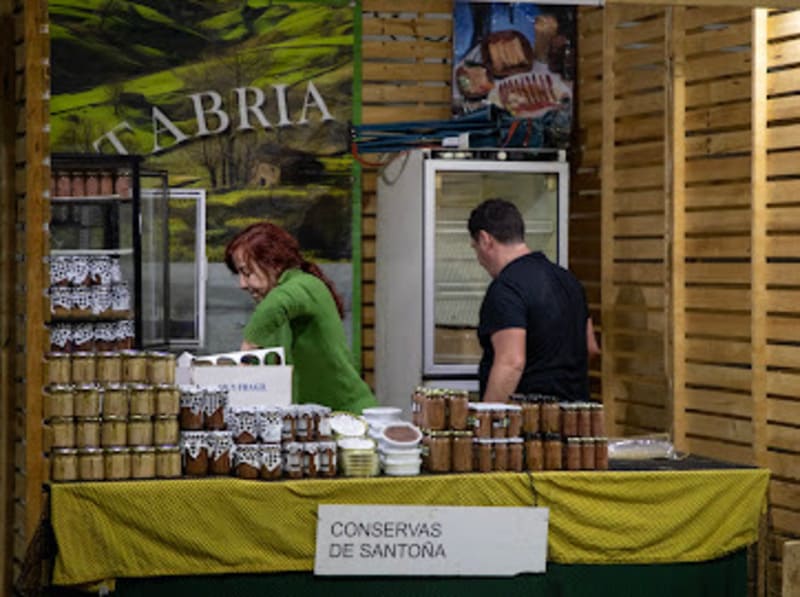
547,301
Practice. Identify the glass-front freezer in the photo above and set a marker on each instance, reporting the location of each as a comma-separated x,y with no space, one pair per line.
429,285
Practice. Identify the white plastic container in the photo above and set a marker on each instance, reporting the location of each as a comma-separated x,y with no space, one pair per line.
400,434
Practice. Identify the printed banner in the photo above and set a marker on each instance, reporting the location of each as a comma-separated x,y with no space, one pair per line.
517,58
249,100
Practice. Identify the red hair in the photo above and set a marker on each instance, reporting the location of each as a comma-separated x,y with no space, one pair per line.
270,247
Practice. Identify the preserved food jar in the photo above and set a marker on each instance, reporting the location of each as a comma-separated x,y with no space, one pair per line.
584,419
288,423
499,421
192,415
480,419
220,451
58,401
304,423
114,432
569,419
194,450
552,452
90,464
117,463
572,454
271,464
142,402
244,424
587,453
134,366
310,459
530,417
160,368
327,459
598,420
551,415
515,458
500,454
58,368
434,411
247,459
270,424
109,367
458,410
87,432
168,400
601,453
140,430
143,462
417,400
166,431
87,400
61,431
439,448
168,462
216,401
324,431
534,453
64,465
115,400
83,367
462,452
514,414
292,457
483,455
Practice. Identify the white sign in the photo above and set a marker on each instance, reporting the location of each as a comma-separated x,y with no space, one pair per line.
392,540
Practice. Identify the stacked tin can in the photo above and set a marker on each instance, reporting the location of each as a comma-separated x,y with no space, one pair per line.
111,416
562,435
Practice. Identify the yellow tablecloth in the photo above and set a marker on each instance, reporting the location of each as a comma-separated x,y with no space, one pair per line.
229,525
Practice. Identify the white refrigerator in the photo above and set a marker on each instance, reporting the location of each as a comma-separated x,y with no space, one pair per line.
428,283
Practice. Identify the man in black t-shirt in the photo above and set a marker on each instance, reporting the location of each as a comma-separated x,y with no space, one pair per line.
535,329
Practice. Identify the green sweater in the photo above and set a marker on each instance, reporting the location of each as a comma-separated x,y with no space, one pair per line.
300,315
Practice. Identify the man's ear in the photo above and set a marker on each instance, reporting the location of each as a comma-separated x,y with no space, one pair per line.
485,239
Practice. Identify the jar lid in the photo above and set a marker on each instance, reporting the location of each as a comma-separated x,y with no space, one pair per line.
356,443
60,420
57,355
90,451
513,440
167,386
82,355
86,387
139,419
117,450
158,354
60,387
115,419
87,420
143,449
347,424
166,417
169,448
108,354
462,433
437,433
130,352
65,451
114,386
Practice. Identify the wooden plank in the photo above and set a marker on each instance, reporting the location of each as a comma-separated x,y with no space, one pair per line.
415,93
729,299
643,273
723,64
720,325
406,28
718,246
780,383
718,273
640,177
784,493
394,72
783,465
717,169
790,586
704,15
422,6
640,128
718,117
650,30
718,401
724,451
717,221
387,114
718,142
782,274
610,16
782,81
707,41
648,419
635,80
783,53
636,225
783,329
781,355
704,93
731,193
782,136
640,153
783,437
626,248
783,24
783,163
718,376
782,301
397,50
640,56
723,428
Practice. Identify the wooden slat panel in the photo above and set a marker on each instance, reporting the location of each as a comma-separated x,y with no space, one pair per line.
783,81
640,128
642,273
717,117
779,137
718,221
784,438
783,465
422,6
717,143
783,53
723,169
727,429
783,274
718,246
712,92
713,40
431,28
639,200
641,417
730,299
783,163
721,325
718,401
394,50
783,329
700,195
724,64
392,72
718,273
720,450
783,356
636,178
636,225
703,14
639,248
732,378
782,383
640,153
388,114
389,93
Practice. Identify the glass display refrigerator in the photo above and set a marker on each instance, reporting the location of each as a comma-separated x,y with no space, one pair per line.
428,283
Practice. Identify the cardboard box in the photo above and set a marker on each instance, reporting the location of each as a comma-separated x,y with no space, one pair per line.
247,375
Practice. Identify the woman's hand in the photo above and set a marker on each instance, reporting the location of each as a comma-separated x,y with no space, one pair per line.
249,346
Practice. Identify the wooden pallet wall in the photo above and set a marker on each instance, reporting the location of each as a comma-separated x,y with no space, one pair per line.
634,294
779,298
406,57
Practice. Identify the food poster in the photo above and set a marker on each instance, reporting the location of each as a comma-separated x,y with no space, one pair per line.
519,59
249,100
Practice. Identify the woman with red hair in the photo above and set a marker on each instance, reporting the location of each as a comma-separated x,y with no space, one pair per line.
297,307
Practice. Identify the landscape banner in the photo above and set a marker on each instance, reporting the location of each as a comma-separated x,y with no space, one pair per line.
249,100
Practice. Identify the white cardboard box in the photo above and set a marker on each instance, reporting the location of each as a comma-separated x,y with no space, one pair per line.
250,381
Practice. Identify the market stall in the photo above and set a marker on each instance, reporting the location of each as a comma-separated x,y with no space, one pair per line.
694,520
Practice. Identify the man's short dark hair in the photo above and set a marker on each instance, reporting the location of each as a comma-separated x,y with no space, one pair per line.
498,217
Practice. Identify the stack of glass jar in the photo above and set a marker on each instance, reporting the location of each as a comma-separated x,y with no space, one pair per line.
562,435
89,289
442,414
257,442
111,416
